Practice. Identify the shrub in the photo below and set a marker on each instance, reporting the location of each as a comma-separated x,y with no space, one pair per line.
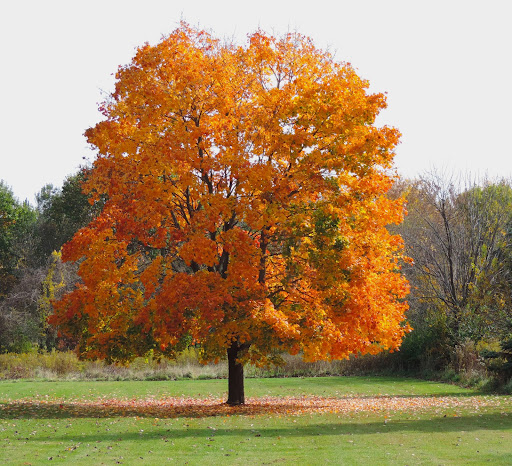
466,359
499,361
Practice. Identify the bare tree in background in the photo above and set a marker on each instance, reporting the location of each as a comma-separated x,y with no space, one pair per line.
457,233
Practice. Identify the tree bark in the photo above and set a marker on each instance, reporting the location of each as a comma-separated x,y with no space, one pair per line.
235,376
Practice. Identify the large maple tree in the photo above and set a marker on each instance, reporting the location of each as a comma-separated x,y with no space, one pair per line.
244,209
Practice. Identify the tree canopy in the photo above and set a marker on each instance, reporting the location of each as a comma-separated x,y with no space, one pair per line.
244,208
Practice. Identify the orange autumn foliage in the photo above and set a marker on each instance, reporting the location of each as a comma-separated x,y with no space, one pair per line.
244,193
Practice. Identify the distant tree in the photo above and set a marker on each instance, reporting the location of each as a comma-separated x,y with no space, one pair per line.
7,219
61,213
16,221
246,209
59,279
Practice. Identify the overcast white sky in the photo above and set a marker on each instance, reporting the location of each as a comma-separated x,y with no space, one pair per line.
445,64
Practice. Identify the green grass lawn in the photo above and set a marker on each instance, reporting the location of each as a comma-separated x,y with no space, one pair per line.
322,386
479,431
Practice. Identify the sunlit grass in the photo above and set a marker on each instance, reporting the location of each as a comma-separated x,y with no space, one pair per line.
321,386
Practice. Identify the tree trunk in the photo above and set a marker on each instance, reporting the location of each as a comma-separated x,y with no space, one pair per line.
235,376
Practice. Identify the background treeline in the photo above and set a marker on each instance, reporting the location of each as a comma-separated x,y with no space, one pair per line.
458,233
31,273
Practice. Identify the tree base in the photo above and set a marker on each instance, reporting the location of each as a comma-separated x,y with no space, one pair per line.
235,403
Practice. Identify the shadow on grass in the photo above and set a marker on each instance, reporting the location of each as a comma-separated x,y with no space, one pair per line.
494,422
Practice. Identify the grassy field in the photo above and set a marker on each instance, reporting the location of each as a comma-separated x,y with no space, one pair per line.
333,420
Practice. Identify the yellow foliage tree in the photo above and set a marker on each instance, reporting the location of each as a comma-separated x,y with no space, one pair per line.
245,209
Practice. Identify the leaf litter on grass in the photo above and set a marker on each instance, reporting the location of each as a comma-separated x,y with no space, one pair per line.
172,407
